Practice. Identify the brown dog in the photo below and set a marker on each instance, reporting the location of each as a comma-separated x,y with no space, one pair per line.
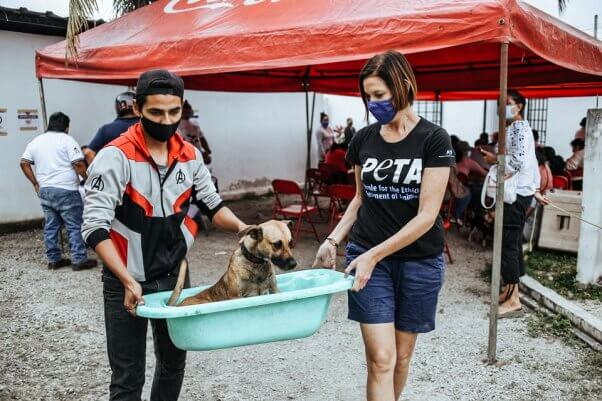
249,272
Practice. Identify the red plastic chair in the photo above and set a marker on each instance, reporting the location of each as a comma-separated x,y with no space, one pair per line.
295,211
317,186
560,182
340,196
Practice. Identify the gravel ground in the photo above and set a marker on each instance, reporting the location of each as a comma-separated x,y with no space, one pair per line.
53,344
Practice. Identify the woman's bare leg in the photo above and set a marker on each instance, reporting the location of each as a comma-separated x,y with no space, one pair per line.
379,343
405,343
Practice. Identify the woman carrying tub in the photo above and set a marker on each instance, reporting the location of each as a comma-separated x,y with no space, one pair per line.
396,237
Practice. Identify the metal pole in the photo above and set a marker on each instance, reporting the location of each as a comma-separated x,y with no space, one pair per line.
43,102
484,116
596,26
499,207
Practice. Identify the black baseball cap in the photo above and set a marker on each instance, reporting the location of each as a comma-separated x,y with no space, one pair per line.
159,82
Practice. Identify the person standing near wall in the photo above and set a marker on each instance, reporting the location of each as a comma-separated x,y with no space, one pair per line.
324,135
192,133
124,103
349,131
58,162
139,189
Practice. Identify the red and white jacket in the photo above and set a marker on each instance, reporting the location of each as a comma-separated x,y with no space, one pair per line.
127,201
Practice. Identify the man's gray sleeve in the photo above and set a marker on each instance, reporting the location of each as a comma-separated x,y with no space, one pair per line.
108,176
206,196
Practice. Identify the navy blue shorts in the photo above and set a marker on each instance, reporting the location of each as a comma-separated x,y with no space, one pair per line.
403,292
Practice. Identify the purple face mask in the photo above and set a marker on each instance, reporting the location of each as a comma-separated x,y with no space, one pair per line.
383,111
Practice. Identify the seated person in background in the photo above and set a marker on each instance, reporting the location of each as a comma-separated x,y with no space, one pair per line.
575,162
465,164
335,158
478,156
493,142
484,138
555,162
462,195
545,173
580,134
545,184
536,139
454,140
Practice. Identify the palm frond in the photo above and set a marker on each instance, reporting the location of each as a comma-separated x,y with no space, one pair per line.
121,7
80,11
562,5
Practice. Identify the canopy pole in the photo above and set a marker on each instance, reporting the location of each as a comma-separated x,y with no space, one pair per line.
43,102
484,116
307,133
499,206
309,123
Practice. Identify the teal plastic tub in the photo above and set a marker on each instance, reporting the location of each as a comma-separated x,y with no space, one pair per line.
297,311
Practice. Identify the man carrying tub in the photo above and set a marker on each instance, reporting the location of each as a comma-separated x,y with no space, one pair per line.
137,195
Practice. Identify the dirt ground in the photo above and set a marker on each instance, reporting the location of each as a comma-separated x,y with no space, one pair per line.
52,339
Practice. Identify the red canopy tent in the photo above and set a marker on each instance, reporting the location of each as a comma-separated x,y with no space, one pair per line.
316,45
459,49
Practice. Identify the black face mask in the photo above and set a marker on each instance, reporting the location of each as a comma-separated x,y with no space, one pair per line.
160,132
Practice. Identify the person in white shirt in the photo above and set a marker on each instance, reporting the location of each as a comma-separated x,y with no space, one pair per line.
521,166
58,162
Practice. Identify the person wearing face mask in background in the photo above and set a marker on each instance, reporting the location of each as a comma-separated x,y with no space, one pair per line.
395,249
326,135
139,189
522,166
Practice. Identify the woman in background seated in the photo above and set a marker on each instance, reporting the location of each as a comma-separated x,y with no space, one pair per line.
465,164
555,162
335,158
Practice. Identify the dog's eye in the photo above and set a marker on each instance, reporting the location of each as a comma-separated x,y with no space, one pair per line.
277,244
290,244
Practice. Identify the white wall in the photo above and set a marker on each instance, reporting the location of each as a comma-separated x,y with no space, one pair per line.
254,137
463,119
564,115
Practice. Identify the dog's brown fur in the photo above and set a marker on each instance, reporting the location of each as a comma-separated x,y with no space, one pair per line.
271,242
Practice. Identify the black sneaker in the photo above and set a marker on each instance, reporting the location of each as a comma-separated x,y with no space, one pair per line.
88,264
61,263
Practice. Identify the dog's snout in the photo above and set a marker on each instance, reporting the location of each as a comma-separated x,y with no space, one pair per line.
291,264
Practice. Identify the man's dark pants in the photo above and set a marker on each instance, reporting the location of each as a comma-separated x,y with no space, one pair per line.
126,346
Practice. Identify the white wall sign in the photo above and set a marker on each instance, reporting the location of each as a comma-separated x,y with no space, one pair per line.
3,122
28,119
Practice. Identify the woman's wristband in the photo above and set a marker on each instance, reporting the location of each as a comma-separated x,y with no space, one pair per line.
332,242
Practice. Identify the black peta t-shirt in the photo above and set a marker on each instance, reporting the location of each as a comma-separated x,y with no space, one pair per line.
391,177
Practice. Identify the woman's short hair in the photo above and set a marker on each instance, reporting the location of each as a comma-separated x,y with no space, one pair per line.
393,68
518,99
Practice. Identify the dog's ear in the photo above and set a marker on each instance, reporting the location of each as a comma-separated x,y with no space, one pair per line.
253,231
290,224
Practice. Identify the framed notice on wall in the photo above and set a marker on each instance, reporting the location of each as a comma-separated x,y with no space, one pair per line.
3,122
28,119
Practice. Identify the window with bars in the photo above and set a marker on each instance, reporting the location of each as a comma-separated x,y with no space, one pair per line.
432,110
537,115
